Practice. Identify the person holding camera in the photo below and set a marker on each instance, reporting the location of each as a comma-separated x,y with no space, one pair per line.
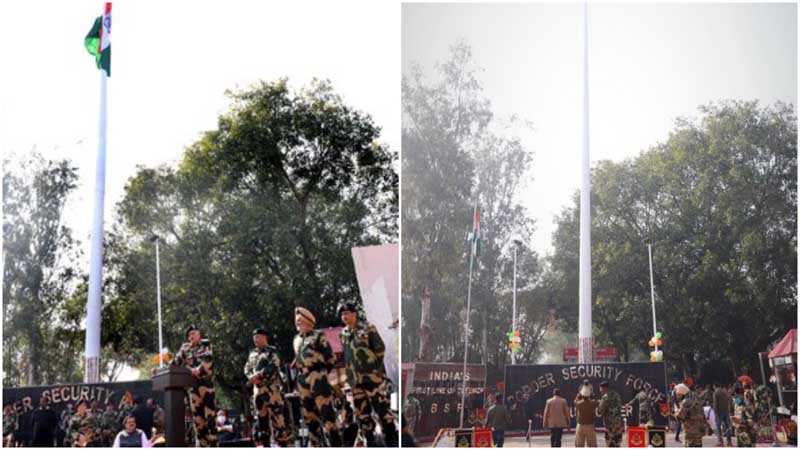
585,407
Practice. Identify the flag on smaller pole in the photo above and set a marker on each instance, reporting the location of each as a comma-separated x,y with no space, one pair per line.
476,233
98,41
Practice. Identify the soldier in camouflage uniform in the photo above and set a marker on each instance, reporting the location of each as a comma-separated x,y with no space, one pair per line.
347,420
610,408
110,424
412,411
9,425
645,407
84,428
314,358
763,404
692,417
744,416
263,371
366,374
196,355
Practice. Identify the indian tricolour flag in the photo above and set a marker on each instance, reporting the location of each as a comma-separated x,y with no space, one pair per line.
476,232
98,41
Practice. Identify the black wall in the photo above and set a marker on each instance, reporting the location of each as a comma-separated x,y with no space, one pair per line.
529,386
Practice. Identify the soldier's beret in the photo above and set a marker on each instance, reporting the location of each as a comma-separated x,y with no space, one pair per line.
190,329
260,331
604,383
347,305
82,401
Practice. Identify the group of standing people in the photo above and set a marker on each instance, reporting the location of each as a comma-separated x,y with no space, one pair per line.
556,416
737,411
331,416
84,426
326,411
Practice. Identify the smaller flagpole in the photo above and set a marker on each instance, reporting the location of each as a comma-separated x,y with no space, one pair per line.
466,323
158,301
652,292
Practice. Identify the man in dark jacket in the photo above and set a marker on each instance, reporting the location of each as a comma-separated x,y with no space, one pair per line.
144,417
44,424
498,419
721,402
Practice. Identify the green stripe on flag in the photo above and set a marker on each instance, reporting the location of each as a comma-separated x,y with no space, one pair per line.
92,44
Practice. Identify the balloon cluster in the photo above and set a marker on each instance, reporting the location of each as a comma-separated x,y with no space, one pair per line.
514,341
164,355
656,340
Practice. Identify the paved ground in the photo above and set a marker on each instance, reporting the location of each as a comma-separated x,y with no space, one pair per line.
569,441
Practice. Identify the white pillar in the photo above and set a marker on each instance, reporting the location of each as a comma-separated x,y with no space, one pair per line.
93,307
585,284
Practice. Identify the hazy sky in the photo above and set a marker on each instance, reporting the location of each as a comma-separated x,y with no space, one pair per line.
648,64
171,63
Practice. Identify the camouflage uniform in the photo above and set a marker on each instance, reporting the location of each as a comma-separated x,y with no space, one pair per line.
347,424
366,374
745,425
110,426
645,408
762,405
9,427
86,425
268,399
202,395
610,408
693,421
411,412
315,359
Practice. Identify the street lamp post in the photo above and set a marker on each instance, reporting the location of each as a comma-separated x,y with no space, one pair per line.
158,300
517,243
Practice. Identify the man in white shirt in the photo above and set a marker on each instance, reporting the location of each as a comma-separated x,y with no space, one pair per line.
131,436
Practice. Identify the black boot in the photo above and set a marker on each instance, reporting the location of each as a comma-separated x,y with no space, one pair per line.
390,435
369,436
349,435
335,438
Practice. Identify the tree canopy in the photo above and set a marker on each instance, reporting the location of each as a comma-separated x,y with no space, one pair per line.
718,203
258,217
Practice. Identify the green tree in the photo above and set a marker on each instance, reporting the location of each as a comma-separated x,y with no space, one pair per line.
38,276
718,201
258,218
452,160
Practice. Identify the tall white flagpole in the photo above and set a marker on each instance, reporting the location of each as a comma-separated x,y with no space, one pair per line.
92,367
585,344
92,353
466,323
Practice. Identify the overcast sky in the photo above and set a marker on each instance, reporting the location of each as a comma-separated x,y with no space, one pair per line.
648,64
